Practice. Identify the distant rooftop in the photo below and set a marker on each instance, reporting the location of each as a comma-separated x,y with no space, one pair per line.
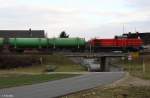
22,33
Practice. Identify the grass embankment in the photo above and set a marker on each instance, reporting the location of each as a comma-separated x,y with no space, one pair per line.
12,80
139,67
18,70
63,64
41,63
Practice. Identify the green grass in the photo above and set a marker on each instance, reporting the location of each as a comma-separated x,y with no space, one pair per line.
12,80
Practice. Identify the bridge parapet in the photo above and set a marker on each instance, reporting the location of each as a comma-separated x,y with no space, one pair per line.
96,55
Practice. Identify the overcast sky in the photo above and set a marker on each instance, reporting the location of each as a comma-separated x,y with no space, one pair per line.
83,18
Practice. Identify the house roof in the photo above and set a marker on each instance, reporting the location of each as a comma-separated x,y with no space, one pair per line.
22,33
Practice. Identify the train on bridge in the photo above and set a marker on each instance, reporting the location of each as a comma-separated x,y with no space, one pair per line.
70,44
29,40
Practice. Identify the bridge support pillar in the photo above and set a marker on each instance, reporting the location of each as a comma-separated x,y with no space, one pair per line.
104,64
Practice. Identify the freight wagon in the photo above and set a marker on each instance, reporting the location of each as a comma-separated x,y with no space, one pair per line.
73,44
50,44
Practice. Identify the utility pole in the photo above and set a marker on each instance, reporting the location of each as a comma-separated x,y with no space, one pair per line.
123,29
135,29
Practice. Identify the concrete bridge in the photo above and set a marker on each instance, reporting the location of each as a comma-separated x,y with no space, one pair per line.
102,57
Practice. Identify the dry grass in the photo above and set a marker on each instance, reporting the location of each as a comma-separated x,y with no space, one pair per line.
135,67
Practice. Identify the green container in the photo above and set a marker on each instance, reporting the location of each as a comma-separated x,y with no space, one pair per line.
28,42
67,42
1,42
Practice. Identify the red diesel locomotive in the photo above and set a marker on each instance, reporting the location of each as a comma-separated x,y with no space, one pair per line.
123,44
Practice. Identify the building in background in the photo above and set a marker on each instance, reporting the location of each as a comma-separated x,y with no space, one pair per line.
22,33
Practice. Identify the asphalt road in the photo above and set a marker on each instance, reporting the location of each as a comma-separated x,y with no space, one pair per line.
61,87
